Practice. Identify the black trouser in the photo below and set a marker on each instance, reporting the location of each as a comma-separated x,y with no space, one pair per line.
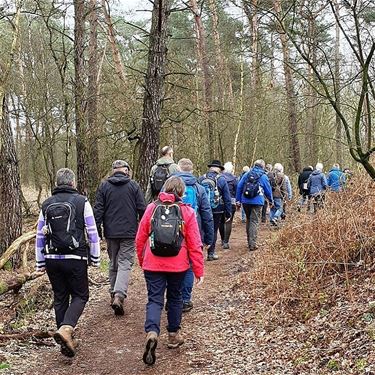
70,289
225,227
218,217
264,211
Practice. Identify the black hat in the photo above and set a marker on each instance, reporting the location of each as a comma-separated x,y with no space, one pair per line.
217,164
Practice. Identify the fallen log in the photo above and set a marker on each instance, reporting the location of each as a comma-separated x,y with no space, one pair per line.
26,335
17,282
14,247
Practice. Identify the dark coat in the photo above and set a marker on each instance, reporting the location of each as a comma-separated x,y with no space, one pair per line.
119,205
302,181
232,184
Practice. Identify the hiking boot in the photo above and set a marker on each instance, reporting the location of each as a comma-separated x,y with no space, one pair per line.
149,356
118,305
226,246
187,306
63,337
212,257
253,248
174,340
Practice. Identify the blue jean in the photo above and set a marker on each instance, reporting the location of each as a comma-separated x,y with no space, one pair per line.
156,283
277,209
187,285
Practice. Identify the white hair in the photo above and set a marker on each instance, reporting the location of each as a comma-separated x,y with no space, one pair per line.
246,168
228,167
260,163
319,166
278,167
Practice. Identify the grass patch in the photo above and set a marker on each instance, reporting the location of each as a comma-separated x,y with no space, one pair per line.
4,366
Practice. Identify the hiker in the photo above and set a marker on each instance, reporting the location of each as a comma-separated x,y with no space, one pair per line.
288,197
195,195
336,178
220,201
164,167
118,207
279,192
66,218
317,185
303,188
245,169
225,227
251,192
269,168
164,253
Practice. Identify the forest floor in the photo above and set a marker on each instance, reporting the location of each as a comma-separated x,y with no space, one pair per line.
227,332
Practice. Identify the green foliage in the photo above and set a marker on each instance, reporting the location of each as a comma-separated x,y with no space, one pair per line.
333,365
361,364
4,365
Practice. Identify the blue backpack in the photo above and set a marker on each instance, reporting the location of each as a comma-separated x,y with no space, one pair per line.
191,197
212,191
252,185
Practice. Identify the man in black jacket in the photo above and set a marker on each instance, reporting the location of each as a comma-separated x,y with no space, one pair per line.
303,179
119,206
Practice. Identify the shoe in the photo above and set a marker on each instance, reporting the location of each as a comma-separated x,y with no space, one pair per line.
63,337
212,257
118,305
253,248
112,297
174,340
187,306
226,246
149,356
273,222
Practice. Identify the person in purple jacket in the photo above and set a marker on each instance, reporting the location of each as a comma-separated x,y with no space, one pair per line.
64,222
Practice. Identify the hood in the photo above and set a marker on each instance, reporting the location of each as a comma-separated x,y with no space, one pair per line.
212,174
334,170
257,170
64,189
316,172
119,178
188,178
229,176
164,160
168,197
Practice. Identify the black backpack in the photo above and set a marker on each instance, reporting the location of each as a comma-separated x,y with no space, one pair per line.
158,178
252,185
166,230
64,232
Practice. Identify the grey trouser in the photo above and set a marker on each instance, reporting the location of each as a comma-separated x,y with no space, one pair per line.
121,254
253,214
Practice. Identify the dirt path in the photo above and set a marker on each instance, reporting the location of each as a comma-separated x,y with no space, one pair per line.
111,345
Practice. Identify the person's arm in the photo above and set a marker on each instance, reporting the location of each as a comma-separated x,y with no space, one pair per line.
143,233
92,235
240,188
148,196
226,197
324,181
99,209
140,201
193,242
40,243
329,180
289,188
207,220
265,182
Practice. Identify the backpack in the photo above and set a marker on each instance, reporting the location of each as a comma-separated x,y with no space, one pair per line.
166,230
273,182
62,232
212,191
158,178
252,186
191,197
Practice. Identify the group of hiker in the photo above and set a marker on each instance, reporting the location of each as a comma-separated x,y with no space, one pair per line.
169,229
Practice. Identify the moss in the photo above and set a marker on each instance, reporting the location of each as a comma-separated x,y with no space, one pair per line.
4,365
3,287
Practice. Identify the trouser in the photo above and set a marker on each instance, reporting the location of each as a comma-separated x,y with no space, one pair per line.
318,201
121,254
225,227
243,215
264,211
305,198
187,285
70,287
253,214
218,217
277,209
156,283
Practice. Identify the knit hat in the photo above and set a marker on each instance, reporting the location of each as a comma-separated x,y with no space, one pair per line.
120,164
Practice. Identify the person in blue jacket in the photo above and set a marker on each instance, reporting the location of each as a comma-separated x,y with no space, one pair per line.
253,206
317,186
200,203
336,178
221,203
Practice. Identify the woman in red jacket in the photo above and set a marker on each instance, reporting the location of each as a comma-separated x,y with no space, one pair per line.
165,270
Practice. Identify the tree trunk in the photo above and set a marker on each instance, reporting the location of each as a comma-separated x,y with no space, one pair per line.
93,176
207,83
294,153
154,91
79,95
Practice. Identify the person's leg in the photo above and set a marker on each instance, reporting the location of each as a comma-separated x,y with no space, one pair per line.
279,208
255,214
228,228
264,211
217,219
113,246
187,287
243,215
125,261
60,288
247,209
156,283
222,229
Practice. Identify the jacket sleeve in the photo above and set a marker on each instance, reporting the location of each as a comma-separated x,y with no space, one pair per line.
300,184
92,234
174,168
226,196
324,181
140,201
99,209
193,242
329,179
235,184
207,220
143,233
148,195
40,243
240,188
289,188
265,182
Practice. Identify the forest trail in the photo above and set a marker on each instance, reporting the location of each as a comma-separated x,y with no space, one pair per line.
112,345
